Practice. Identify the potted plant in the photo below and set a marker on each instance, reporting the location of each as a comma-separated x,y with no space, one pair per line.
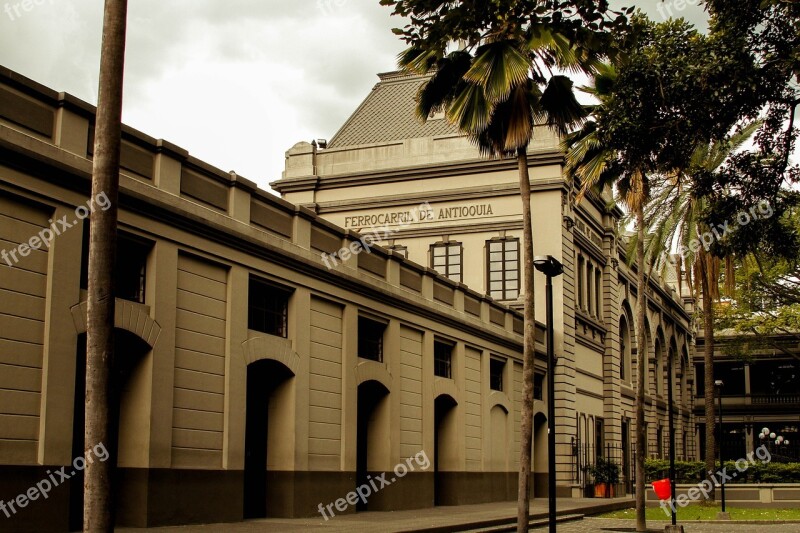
606,475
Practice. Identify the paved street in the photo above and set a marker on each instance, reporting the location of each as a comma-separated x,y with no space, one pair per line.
483,517
438,519
606,525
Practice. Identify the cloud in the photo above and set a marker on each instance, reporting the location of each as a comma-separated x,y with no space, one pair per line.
236,83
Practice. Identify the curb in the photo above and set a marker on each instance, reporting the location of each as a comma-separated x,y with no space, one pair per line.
531,524
565,515
723,522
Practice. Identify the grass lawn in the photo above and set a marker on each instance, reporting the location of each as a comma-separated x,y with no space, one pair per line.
700,512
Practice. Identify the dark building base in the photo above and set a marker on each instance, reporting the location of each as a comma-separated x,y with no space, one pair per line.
165,497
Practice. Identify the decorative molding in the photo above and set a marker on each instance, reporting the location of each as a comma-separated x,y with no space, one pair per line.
444,386
129,316
367,370
272,348
501,399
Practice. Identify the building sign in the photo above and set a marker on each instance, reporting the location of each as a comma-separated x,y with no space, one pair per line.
464,211
423,213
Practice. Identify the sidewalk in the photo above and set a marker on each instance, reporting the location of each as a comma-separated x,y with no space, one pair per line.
430,520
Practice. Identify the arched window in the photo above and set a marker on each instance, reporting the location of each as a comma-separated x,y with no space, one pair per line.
624,350
659,368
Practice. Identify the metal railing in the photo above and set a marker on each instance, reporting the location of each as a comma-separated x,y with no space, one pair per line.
585,457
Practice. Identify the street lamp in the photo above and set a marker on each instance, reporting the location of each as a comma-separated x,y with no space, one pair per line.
771,437
550,267
671,418
723,515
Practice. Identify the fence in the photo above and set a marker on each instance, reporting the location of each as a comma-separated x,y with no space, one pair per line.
585,457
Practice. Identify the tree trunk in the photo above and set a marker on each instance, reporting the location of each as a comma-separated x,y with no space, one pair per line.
526,429
708,357
97,510
641,363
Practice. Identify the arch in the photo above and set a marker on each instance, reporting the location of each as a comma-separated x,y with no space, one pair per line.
497,456
660,362
445,448
128,316
625,350
630,317
446,387
645,354
373,371
497,398
657,362
372,428
269,431
684,376
128,430
673,362
269,347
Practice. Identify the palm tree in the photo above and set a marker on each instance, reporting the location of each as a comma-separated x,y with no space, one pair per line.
674,219
596,165
97,511
496,94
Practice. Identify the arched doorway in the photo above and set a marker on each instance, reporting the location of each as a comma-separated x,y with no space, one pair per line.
498,442
540,452
445,444
268,389
372,432
125,399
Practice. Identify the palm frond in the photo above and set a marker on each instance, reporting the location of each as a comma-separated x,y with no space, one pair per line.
470,110
418,60
559,105
498,67
446,82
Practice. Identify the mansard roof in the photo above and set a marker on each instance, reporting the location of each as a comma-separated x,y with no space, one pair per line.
387,114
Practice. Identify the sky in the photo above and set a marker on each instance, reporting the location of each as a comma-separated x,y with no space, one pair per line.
234,82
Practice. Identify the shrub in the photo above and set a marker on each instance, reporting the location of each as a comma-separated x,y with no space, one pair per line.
694,471
604,471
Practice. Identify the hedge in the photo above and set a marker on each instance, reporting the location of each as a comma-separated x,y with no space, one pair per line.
694,471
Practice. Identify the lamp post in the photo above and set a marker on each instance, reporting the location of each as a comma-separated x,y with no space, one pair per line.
722,515
671,421
550,267
767,438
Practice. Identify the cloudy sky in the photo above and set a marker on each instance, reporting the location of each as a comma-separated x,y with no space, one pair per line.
235,82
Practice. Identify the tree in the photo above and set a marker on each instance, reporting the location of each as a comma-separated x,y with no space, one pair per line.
97,512
674,220
769,30
495,88
765,303
591,159
673,90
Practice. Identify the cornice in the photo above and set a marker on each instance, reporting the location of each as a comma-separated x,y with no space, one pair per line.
421,172
467,193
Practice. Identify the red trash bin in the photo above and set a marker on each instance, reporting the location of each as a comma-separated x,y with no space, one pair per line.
663,489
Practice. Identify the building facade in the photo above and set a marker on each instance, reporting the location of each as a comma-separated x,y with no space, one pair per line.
254,379
384,162
760,389
270,359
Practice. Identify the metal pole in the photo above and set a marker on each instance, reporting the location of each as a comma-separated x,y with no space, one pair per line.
671,439
551,410
721,460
